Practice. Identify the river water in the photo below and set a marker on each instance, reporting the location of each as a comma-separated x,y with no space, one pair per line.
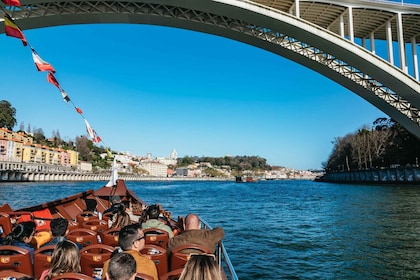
285,229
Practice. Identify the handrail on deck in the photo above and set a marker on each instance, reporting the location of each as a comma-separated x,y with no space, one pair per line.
222,253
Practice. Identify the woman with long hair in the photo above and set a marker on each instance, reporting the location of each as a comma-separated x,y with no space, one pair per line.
122,218
65,258
201,267
21,236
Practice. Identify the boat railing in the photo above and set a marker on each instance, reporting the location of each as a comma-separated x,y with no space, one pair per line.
223,257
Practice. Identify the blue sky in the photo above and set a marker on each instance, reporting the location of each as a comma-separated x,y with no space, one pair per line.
150,89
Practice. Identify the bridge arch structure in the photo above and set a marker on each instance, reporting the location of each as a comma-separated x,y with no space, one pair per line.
335,38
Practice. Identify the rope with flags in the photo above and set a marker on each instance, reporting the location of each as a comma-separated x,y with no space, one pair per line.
13,30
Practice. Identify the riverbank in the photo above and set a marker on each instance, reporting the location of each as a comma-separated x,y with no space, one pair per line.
403,175
26,176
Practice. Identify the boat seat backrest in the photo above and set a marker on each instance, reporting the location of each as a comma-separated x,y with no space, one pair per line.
86,216
93,257
181,254
15,258
159,256
5,224
42,259
110,237
143,276
96,225
73,276
173,274
156,236
83,236
5,274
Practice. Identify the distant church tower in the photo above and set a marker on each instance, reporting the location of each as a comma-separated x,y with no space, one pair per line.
174,155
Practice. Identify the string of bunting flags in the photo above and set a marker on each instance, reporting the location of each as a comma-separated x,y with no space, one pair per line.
13,30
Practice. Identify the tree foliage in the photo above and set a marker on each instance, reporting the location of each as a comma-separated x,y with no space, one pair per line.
7,115
238,163
384,144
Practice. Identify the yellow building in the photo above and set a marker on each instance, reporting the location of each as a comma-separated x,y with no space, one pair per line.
17,146
29,152
74,157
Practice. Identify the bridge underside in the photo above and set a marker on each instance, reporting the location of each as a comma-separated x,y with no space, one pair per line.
379,82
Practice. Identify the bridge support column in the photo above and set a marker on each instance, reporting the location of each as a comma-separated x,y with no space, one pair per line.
401,47
415,61
389,41
351,28
297,8
372,42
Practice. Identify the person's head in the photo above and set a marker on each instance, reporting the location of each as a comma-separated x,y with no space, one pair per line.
23,232
153,212
201,267
115,199
192,222
122,219
91,204
65,258
131,237
122,266
59,227
127,204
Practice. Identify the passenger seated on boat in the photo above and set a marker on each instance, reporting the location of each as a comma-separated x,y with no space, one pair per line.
121,218
201,266
65,258
193,234
59,230
129,210
115,200
152,216
21,236
91,205
122,266
132,240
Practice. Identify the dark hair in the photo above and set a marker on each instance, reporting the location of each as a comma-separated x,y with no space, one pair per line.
91,204
20,231
122,266
128,235
122,218
153,211
59,227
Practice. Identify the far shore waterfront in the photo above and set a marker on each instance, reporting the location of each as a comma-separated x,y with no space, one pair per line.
35,176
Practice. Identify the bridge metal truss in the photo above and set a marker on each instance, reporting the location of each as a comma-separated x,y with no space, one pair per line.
257,25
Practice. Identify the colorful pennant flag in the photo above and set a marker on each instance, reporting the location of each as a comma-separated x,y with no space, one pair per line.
108,152
40,64
11,2
65,96
79,111
13,30
53,80
92,134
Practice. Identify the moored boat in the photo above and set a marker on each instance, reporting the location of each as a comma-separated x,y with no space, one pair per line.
78,210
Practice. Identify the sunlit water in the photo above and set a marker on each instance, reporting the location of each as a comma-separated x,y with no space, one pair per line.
286,229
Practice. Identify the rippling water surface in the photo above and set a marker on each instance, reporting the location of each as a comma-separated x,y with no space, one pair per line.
286,229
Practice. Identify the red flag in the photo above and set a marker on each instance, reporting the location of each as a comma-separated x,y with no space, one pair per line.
13,30
53,80
40,64
11,2
79,111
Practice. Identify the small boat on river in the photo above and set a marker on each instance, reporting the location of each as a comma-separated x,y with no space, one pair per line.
88,228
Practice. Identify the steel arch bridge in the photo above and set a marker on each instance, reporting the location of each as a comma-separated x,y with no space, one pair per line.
335,39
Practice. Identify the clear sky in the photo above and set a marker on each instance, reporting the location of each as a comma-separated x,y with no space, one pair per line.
150,89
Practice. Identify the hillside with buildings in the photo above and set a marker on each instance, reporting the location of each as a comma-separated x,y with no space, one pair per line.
20,151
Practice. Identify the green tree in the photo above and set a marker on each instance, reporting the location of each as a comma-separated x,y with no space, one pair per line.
7,115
